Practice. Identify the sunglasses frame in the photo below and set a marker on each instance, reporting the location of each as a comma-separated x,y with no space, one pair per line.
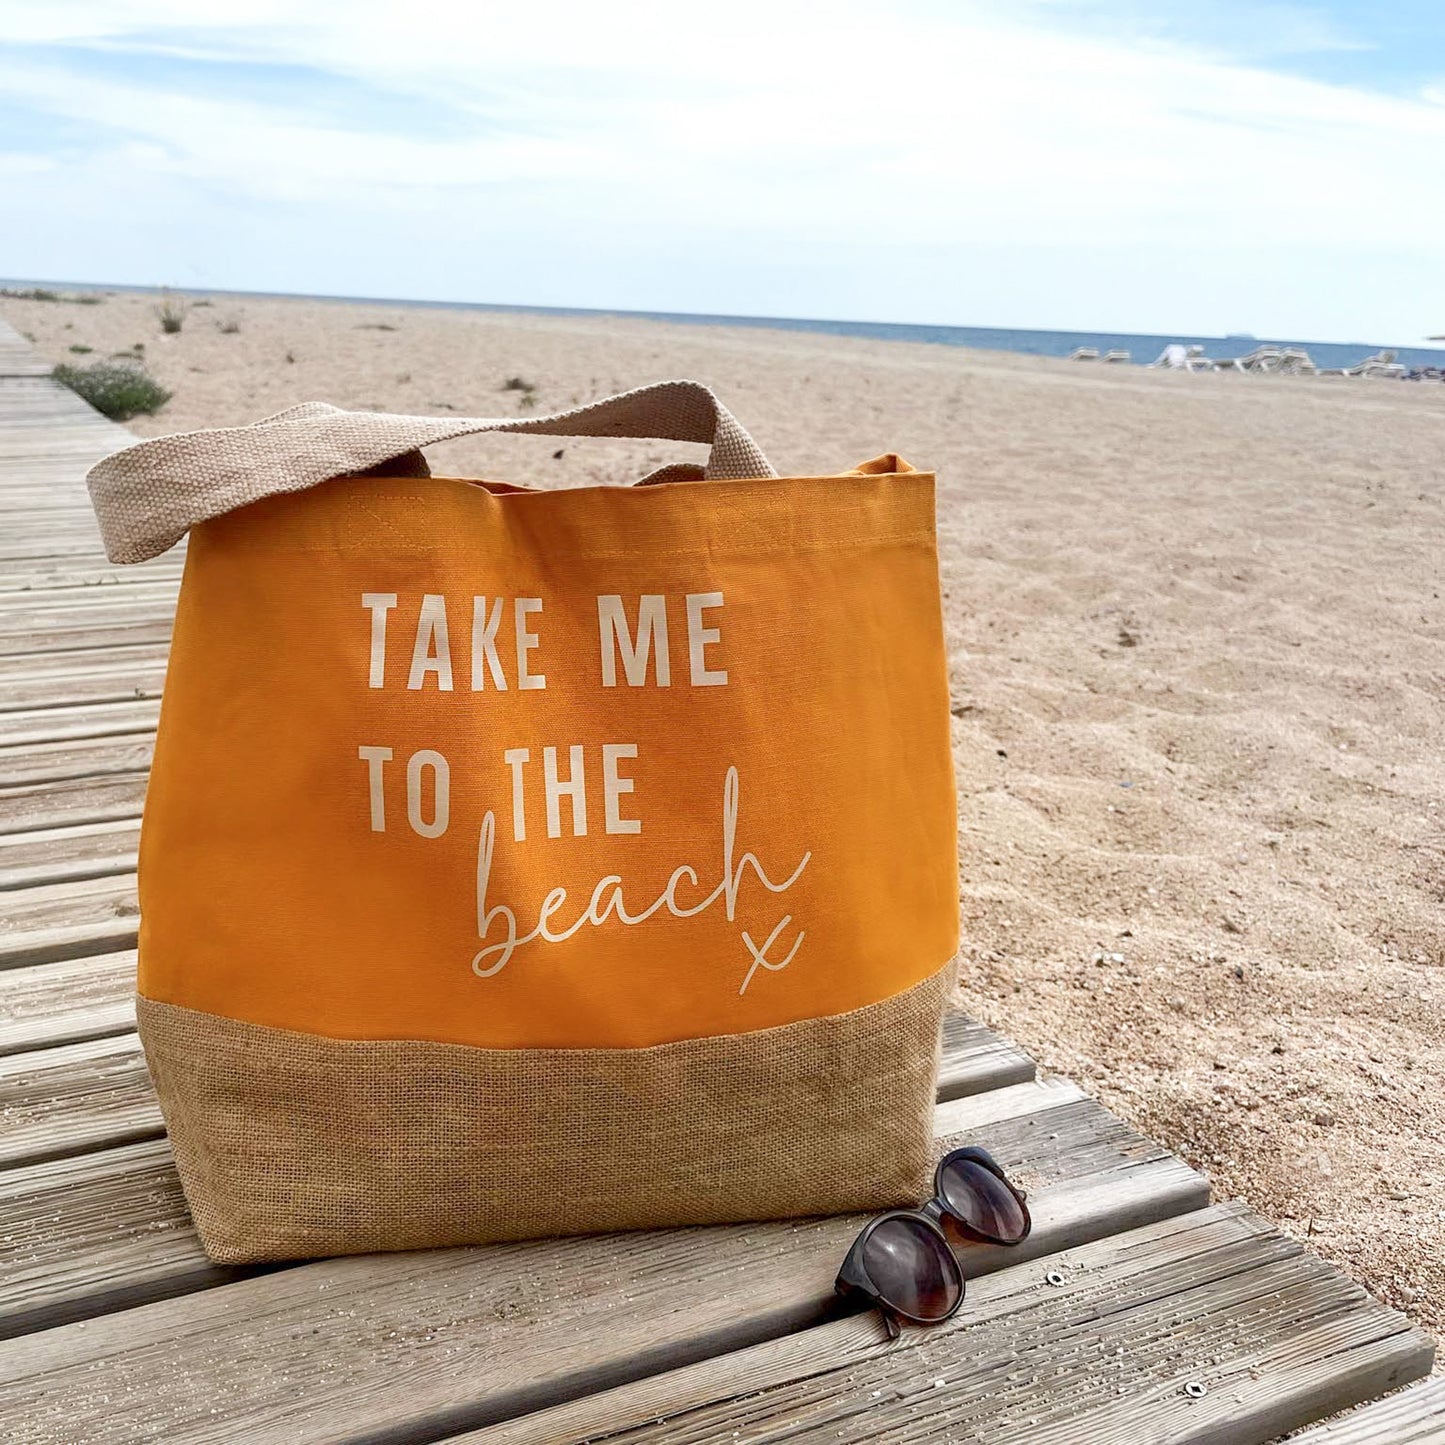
938,1208
853,1277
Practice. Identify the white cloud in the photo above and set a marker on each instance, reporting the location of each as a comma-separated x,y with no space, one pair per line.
716,150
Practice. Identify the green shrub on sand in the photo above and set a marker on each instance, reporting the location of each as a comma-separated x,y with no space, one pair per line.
117,389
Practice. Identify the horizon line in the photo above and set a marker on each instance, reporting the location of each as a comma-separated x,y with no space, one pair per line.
741,318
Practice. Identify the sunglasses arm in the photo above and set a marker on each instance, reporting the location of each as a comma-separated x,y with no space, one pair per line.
852,1283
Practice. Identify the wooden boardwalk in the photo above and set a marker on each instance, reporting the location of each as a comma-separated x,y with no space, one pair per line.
1137,1312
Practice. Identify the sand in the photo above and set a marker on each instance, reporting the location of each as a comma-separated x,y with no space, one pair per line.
1198,664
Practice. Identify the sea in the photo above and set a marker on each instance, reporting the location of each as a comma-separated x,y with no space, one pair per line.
1143,348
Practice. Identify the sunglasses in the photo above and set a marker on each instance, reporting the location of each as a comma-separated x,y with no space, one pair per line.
903,1262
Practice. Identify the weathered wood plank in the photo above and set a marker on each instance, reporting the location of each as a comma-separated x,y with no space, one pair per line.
312,1353
18,358
32,553
82,677
1217,1299
107,611
974,1059
48,440
46,425
69,940
43,486
54,502
72,604
46,498
34,516
71,804
80,663
57,575
28,764
65,1100
42,465
94,1233
66,1003
29,398
1415,1416
23,727
53,921
146,626
38,452
54,855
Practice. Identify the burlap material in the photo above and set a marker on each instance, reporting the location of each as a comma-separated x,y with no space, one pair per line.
148,496
292,1145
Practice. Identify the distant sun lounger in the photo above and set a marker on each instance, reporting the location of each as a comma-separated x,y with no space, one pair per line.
1091,353
1179,357
1382,363
1287,360
1263,360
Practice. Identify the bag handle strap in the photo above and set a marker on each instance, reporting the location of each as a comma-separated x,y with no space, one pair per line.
147,497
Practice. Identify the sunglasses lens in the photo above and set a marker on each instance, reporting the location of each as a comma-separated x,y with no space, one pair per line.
983,1201
913,1269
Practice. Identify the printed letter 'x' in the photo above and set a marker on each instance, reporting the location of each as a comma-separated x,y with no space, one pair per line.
760,955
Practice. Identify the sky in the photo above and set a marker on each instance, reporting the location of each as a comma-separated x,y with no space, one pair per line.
1123,165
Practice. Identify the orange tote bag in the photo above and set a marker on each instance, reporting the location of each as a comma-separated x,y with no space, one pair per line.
526,862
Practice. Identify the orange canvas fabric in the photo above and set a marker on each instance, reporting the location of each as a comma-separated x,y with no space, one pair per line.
611,767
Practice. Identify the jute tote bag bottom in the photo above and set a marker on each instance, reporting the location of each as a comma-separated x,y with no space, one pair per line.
292,1145
743,1021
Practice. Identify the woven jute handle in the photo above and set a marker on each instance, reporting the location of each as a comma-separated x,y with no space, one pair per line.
147,497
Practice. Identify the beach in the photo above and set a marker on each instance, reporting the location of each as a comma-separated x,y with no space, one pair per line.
1197,654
